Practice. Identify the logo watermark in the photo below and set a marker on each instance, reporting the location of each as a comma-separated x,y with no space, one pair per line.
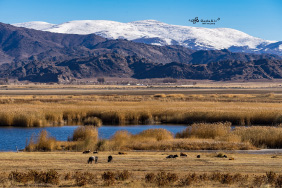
204,21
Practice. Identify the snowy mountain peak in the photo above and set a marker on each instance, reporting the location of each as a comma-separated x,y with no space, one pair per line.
38,25
159,33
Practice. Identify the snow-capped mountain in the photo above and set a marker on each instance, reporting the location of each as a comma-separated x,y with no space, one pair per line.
159,33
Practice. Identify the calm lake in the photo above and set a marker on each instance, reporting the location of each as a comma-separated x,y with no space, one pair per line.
12,137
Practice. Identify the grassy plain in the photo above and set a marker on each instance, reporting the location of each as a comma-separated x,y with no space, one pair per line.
141,163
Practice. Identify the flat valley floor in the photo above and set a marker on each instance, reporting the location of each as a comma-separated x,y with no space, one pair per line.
141,163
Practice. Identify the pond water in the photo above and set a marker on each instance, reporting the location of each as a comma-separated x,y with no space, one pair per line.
12,137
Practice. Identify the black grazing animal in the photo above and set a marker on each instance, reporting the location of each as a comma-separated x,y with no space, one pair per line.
183,155
95,152
110,158
171,156
93,158
198,156
85,152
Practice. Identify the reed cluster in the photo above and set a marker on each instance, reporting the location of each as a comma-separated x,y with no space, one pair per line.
43,142
35,111
206,130
262,137
201,136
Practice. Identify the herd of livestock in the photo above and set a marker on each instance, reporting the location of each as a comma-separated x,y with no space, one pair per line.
110,158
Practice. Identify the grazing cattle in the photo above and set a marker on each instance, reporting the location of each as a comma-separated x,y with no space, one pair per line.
183,155
198,156
93,158
224,156
171,156
85,152
231,158
122,153
110,158
95,152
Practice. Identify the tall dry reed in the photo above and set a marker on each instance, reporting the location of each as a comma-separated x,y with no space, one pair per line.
206,130
44,142
263,137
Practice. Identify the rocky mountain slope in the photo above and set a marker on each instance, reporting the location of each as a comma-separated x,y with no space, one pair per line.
40,56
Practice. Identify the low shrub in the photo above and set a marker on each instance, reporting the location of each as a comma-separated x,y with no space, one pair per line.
258,181
49,177
150,178
278,182
271,177
20,177
109,178
85,178
163,178
122,176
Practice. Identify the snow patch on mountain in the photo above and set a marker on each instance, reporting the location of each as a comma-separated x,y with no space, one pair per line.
35,25
158,33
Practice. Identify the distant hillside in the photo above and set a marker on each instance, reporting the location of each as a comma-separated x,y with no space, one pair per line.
39,56
115,65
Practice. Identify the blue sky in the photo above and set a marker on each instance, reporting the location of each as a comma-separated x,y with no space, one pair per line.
259,18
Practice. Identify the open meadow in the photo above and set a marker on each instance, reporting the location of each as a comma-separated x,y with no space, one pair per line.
141,169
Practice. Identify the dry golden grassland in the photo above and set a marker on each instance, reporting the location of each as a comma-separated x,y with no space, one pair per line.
210,114
54,110
135,169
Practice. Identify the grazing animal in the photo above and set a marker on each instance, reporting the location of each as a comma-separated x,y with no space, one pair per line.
171,156
95,152
224,156
85,152
93,158
231,158
122,153
198,156
183,155
110,158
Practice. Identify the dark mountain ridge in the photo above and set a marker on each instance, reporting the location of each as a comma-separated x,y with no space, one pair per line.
38,56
